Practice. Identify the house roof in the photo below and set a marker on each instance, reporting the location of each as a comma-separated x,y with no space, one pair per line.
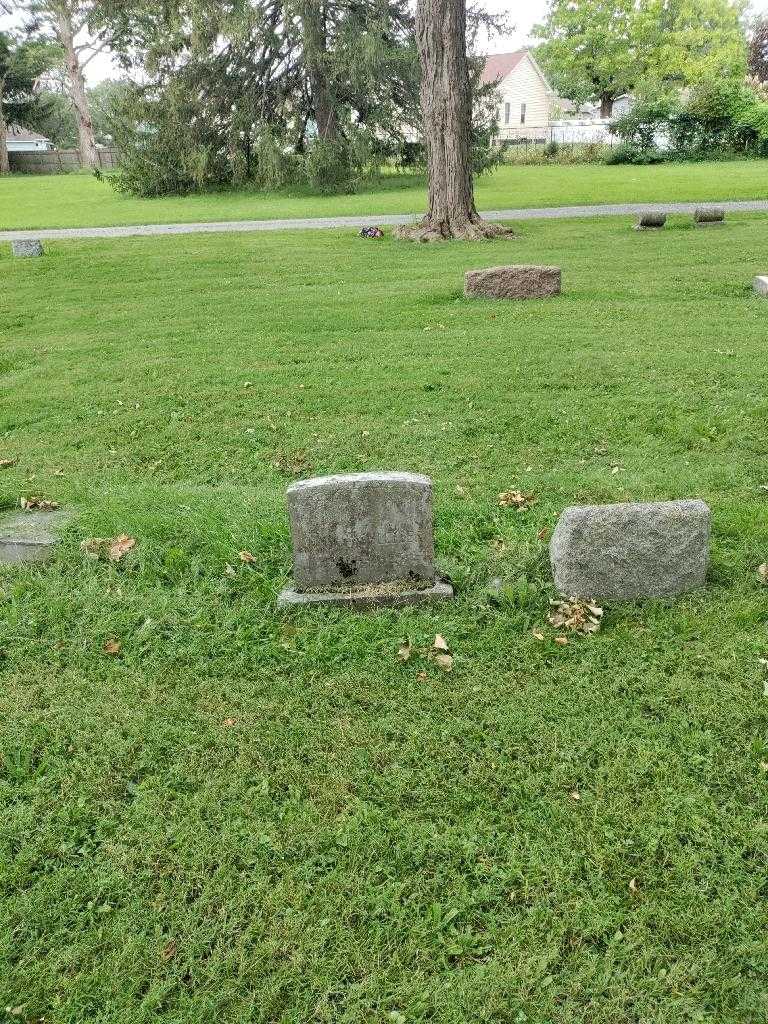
499,65
19,134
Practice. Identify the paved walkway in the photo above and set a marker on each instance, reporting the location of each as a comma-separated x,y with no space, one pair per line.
543,213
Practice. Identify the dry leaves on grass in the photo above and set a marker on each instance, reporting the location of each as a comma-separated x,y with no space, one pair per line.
439,653
108,549
247,557
762,572
7,463
38,504
516,499
112,647
577,616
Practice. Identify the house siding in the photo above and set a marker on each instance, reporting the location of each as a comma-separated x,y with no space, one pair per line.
523,85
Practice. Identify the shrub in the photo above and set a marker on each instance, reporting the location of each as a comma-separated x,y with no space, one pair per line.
630,153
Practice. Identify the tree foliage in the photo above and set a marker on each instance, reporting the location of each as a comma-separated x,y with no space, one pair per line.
599,49
261,90
22,63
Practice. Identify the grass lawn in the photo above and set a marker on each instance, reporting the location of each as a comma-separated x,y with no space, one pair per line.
257,817
78,200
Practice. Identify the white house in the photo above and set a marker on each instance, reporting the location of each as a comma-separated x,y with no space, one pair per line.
526,99
21,140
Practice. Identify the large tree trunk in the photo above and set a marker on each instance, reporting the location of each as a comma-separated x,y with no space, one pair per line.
606,106
446,104
315,44
89,156
5,164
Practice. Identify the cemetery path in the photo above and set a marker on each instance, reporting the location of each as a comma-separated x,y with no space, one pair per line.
541,213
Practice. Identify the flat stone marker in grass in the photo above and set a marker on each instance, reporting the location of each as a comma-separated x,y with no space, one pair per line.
631,551
26,247
760,284
30,536
651,221
513,282
708,216
363,539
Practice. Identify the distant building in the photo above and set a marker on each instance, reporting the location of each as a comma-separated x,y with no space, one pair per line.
22,140
526,99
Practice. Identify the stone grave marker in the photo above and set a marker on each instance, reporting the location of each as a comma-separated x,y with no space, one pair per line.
651,220
708,216
760,284
631,551
513,282
30,536
363,539
26,247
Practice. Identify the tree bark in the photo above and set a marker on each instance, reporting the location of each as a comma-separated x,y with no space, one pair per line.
87,142
446,104
5,164
606,106
315,46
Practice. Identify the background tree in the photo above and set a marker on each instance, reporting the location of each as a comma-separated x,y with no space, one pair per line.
757,60
589,49
22,62
67,21
446,107
688,42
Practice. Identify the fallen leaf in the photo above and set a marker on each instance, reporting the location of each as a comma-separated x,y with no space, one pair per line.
444,662
421,675
515,499
246,556
764,765
108,549
58,472
538,635
405,651
562,640
7,463
576,616
112,647
762,572
39,504
461,491
120,546
543,534
168,952
229,722
633,885
440,644
575,794
230,570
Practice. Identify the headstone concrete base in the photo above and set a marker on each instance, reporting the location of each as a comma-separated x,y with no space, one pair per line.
30,536
370,597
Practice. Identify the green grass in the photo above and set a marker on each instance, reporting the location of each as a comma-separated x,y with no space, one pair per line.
28,201
250,816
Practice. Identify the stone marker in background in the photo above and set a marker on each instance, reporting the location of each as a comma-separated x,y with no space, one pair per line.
30,536
363,539
760,284
654,219
706,216
514,282
631,551
27,247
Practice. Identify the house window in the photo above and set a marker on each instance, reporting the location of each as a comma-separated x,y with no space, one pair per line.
522,113
507,112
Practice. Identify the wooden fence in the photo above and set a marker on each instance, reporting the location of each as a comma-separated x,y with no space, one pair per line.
58,161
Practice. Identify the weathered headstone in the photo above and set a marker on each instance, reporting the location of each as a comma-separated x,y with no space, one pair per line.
363,539
26,247
513,282
760,284
707,216
30,536
651,220
631,551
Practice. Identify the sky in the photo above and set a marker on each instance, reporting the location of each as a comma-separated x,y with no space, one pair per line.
523,14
